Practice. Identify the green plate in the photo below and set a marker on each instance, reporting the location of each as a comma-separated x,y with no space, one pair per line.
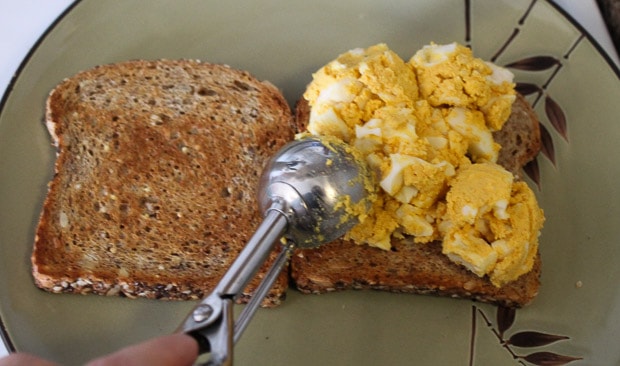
572,85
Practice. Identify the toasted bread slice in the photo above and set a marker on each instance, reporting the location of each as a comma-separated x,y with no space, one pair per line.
420,268
519,137
155,179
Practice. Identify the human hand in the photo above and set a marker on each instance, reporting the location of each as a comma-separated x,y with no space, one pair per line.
171,350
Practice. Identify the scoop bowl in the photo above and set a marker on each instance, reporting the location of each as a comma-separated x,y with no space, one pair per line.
321,185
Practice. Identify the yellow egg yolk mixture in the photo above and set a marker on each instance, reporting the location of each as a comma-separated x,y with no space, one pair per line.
425,127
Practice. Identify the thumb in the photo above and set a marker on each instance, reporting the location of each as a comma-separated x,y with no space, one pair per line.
170,350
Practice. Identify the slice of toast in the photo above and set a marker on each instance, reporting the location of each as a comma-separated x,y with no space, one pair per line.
421,268
155,179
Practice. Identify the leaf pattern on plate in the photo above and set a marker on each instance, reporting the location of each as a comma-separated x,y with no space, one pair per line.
548,359
505,319
528,88
535,63
556,116
533,339
553,111
532,170
547,144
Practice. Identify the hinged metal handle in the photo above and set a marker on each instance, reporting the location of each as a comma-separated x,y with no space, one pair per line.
211,322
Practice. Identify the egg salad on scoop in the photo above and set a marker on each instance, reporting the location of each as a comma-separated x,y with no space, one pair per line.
425,127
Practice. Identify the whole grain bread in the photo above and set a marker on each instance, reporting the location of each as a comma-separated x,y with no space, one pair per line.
421,268
154,187
519,137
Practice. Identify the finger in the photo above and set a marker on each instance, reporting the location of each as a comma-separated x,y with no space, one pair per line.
171,350
23,359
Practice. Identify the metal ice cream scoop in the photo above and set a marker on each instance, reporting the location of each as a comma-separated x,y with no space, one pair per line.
311,192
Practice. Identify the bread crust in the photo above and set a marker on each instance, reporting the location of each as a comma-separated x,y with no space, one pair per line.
154,188
420,268
407,268
519,137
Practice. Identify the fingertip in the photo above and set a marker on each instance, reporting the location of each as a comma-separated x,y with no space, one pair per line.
187,342
170,350
22,359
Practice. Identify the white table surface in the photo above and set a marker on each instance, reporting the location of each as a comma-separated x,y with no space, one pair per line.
22,23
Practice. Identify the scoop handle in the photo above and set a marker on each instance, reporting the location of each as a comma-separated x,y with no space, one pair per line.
261,291
211,322
253,255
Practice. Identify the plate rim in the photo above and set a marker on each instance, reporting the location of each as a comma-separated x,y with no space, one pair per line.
583,31
4,332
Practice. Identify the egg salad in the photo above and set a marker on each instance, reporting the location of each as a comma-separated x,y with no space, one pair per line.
425,127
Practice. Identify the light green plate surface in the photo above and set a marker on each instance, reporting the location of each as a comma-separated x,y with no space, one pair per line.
285,41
